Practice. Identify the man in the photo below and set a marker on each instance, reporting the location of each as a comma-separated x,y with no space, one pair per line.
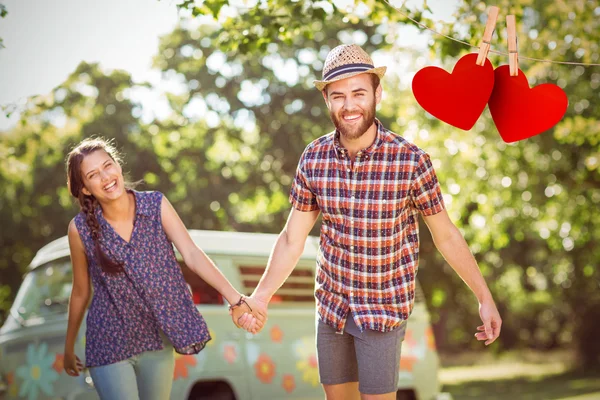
370,185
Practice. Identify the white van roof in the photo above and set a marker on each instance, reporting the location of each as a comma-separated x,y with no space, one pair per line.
212,242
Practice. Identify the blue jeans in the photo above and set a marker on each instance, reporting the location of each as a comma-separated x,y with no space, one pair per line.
145,376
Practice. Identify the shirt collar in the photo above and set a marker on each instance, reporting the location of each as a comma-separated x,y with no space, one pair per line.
341,151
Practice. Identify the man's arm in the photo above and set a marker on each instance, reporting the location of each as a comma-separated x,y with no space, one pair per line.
286,253
453,247
284,256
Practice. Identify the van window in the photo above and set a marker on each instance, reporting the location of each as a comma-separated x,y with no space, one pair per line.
45,291
298,288
202,292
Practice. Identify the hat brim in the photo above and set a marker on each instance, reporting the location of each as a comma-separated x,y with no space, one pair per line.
379,71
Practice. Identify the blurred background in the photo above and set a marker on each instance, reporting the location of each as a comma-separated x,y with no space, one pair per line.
212,103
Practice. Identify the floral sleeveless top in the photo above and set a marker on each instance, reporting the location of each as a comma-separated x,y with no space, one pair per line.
130,309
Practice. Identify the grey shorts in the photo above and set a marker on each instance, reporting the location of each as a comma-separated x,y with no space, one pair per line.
370,358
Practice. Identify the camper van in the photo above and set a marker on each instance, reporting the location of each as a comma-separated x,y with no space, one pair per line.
277,363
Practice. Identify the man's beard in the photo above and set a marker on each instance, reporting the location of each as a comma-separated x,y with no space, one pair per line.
352,132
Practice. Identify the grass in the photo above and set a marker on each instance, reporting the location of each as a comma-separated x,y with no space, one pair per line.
518,376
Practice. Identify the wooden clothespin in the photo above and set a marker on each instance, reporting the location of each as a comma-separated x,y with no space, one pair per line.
513,54
484,46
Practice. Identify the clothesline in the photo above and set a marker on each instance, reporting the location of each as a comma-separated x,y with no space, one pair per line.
491,51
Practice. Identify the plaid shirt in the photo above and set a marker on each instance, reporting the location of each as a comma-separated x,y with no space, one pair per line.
369,244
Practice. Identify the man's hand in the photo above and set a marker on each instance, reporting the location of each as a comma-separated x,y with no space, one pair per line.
249,315
490,330
259,312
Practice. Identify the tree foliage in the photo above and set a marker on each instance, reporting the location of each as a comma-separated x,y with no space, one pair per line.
245,108
539,197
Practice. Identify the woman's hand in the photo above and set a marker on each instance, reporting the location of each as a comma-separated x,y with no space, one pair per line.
72,364
249,314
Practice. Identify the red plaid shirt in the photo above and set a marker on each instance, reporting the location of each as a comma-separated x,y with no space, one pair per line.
369,244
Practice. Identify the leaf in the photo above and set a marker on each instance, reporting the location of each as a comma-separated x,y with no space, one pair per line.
209,8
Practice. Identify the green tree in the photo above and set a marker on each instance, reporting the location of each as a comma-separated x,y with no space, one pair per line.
542,226
246,109
35,202
249,26
528,210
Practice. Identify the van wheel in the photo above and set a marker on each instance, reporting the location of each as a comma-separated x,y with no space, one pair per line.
211,391
406,395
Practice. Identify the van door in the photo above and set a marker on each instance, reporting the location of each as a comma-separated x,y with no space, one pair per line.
419,360
33,338
281,359
217,372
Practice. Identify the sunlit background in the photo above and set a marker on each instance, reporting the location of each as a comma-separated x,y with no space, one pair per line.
215,111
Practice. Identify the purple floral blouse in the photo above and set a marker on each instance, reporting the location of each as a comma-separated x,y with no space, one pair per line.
129,309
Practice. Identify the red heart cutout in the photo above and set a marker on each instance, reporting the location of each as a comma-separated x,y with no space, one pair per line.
458,98
521,112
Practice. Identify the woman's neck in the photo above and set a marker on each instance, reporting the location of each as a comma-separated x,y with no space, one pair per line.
119,209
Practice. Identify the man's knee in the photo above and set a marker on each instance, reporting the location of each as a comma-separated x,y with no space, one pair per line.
343,391
385,396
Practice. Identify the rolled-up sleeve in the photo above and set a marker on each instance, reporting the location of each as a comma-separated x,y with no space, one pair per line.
302,196
426,194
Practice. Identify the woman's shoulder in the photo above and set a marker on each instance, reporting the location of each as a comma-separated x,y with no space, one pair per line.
149,201
79,225
78,220
148,195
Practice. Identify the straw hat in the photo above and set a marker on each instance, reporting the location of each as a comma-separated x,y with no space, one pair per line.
345,61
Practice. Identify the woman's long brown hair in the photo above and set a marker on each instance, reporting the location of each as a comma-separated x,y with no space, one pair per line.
87,203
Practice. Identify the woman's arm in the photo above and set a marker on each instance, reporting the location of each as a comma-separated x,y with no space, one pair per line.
80,293
193,256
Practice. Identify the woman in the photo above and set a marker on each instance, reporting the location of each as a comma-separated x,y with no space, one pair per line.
141,310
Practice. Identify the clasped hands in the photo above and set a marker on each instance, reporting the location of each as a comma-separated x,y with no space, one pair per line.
249,313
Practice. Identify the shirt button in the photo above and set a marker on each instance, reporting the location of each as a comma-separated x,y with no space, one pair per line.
352,221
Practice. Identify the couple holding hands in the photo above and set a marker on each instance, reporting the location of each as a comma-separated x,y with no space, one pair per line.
369,184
